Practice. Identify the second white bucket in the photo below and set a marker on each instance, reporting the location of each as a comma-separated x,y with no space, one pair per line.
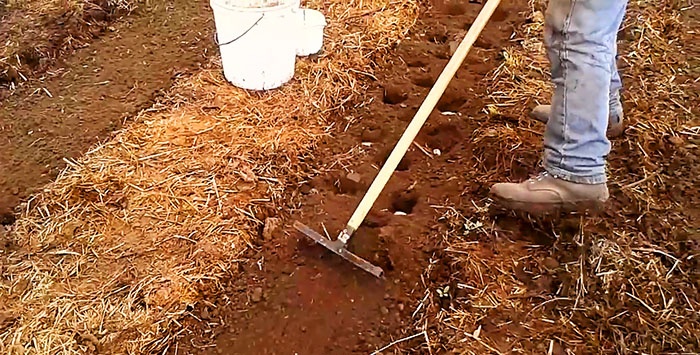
257,44
312,26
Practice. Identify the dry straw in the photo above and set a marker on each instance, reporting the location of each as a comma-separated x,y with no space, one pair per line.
114,251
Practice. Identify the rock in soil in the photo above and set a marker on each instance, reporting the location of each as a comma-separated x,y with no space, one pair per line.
350,184
354,177
257,295
394,94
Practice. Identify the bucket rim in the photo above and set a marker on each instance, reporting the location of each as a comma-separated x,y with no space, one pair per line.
314,18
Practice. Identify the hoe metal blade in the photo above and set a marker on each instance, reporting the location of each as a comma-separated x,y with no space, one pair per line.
338,247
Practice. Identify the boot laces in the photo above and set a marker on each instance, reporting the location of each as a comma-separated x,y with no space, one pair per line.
539,177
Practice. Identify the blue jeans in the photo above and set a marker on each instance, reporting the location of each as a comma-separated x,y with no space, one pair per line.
580,36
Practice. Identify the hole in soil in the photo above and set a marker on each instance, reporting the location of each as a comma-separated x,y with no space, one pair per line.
394,94
7,218
404,201
444,137
453,99
384,259
404,164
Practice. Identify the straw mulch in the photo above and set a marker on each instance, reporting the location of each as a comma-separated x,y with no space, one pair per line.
109,256
35,32
625,282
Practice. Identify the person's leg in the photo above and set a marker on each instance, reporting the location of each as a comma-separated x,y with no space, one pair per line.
616,122
580,39
615,112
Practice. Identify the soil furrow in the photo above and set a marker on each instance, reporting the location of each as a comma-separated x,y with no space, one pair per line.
297,297
89,94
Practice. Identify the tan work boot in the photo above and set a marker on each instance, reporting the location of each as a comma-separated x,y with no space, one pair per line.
616,122
546,194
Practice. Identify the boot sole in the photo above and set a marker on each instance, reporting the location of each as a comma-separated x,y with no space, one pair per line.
594,207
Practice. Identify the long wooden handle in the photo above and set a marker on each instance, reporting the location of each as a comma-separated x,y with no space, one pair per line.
421,116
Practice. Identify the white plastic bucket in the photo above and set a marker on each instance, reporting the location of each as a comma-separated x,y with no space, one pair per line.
257,41
311,32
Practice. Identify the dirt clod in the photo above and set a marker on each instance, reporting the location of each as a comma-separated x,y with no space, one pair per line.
438,35
96,15
456,8
394,94
551,263
677,141
371,134
424,80
305,189
205,314
416,62
11,75
271,226
384,310
6,320
90,341
376,219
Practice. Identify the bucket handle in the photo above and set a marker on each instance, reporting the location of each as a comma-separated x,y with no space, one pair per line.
216,37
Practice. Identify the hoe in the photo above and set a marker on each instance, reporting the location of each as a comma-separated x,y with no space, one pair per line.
339,246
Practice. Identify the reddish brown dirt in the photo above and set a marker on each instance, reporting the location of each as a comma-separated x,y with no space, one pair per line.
50,32
298,298
89,94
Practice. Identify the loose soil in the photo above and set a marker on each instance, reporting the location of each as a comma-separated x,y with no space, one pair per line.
298,298
84,97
